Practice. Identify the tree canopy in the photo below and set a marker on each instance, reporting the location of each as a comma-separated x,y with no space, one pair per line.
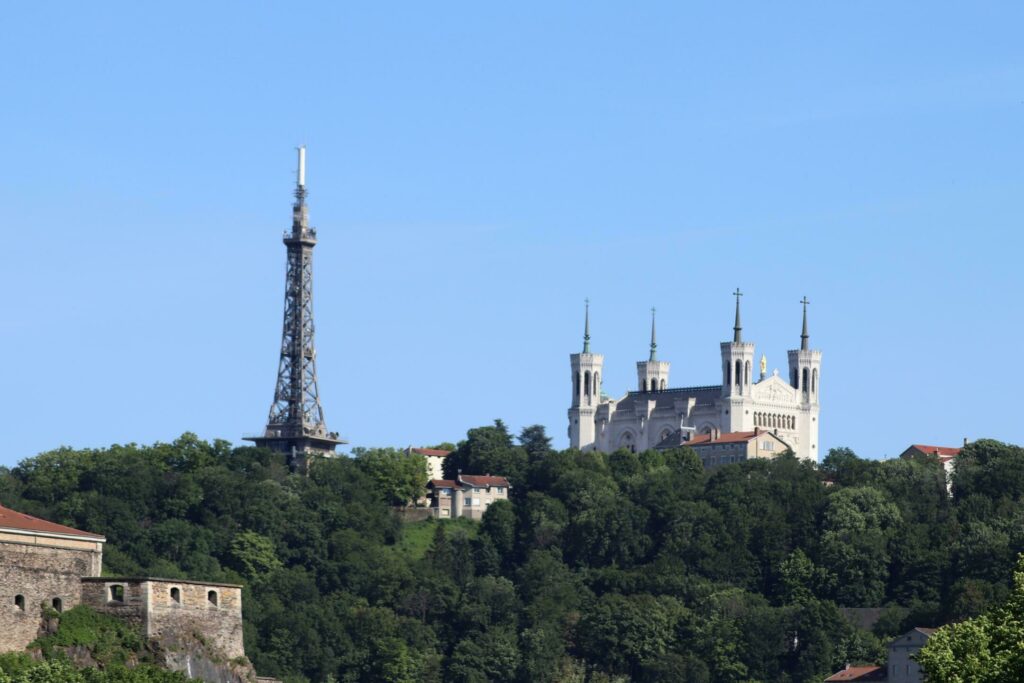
625,566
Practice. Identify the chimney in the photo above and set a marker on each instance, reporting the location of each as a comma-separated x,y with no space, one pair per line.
757,430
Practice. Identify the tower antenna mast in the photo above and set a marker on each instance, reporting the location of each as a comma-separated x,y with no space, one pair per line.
296,423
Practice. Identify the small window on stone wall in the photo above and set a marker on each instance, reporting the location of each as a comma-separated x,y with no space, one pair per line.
117,593
58,604
176,595
212,597
19,602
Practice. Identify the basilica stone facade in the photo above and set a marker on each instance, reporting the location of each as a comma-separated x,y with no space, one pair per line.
655,414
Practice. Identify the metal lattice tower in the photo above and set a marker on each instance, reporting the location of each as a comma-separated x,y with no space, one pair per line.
296,424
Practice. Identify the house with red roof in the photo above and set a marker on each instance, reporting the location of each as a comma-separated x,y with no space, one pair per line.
946,455
717,449
900,666
468,495
41,566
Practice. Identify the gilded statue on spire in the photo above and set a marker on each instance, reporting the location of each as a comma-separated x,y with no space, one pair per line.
764,365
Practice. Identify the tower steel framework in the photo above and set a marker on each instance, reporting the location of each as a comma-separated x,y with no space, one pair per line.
296,423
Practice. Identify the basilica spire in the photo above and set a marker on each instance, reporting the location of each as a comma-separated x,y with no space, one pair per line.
654,339
737,328
586,327
804,337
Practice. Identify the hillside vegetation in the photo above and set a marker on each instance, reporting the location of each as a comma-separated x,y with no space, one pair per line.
601,567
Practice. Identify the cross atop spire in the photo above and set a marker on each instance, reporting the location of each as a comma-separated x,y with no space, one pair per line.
654,341
804,337
737,329
586,326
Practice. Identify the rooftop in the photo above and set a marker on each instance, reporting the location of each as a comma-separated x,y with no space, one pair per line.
20,522
469,480
431,452
486,480
941,451
858,673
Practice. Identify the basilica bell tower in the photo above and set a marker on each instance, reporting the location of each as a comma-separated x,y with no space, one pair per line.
586,391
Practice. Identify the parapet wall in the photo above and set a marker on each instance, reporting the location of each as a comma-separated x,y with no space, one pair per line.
38,572
173,610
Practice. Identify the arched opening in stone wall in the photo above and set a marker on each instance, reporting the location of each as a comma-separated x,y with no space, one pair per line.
58,604
19,602
212,597
117,593
176,595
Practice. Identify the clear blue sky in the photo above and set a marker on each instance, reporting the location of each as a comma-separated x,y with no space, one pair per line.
475,171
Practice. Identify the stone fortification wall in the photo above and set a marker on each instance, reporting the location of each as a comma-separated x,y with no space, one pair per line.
38,572
170,610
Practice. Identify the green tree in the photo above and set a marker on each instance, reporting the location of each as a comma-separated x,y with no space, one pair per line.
986,649
857,525
400,477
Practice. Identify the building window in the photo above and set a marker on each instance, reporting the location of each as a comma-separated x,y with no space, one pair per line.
58,604
117,593
19,602
212,598
500,489
469,502
176,595
767,446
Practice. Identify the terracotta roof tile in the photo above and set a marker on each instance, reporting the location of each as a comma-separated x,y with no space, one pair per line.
728,437
434,452
858,673
19,521
950,451
488,480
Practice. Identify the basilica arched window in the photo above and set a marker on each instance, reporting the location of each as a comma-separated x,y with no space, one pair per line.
746,372
814,381
597,384
586,383
805,382
663,385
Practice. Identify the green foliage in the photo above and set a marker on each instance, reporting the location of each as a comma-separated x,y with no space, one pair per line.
986,649
602,567
399,477
109,640
23,670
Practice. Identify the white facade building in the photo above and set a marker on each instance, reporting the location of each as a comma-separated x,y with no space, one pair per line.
655,412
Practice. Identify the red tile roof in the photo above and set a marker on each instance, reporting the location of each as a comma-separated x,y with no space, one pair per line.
728,437
469,480
858,673
937,450
434,452
488,480
19,521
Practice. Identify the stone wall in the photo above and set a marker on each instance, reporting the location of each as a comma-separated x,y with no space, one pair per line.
35,572
172,610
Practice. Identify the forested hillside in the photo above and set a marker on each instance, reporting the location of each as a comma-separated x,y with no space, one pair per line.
601,567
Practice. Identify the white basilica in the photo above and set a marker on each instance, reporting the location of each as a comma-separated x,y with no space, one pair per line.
657,416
